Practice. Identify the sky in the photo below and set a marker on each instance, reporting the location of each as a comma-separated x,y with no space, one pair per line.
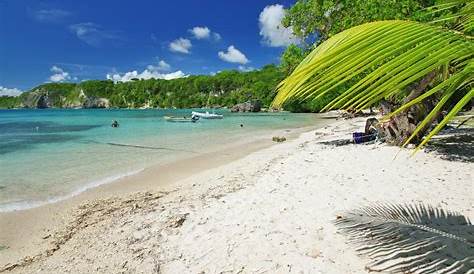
45,41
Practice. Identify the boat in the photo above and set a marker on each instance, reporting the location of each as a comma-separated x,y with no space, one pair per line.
207,115
181,119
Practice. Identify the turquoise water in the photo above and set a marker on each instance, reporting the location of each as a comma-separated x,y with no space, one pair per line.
49,154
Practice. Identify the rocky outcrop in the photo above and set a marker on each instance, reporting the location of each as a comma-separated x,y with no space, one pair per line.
249,106
43,99
96,102
37,99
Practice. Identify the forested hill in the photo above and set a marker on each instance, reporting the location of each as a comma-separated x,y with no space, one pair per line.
226,88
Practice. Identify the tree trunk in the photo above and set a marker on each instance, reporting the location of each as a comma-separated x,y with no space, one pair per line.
401,126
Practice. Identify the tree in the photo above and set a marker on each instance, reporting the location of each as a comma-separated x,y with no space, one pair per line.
291,57
424,68
324,18
317,20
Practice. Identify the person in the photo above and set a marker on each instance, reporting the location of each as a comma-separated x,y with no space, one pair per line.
115,123
194,118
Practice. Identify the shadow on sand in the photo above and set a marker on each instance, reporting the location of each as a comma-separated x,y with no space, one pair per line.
454,145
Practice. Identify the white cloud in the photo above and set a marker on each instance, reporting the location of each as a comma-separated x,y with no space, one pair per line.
246,69
92,34
181,45
204,33
201,32
162,65
233,55
51,15
9,91
149,73
274,34
59,75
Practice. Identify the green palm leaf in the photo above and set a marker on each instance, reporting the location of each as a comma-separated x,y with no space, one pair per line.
387,57
411,238
463,17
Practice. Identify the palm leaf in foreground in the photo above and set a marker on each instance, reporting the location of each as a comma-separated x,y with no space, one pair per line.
411,239
387,57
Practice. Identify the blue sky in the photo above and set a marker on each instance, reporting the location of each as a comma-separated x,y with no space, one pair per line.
56,41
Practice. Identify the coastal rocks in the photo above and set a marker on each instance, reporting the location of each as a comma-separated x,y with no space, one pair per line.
96,102
41,98
37,99
249,106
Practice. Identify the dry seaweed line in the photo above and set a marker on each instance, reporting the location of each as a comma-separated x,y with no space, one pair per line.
89,214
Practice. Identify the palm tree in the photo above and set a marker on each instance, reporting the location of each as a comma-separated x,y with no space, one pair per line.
426,69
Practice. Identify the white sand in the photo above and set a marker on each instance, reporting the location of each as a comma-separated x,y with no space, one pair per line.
270,212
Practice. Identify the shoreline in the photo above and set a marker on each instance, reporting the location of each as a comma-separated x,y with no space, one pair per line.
18,224
271,210
111,179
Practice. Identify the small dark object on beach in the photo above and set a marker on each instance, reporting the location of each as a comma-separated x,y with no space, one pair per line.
115,123
361,137
278,139
370,132
241,125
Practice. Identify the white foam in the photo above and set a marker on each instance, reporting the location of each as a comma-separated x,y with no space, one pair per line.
23,205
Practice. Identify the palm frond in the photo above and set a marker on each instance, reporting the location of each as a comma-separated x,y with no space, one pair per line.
463,17
411,238
387,57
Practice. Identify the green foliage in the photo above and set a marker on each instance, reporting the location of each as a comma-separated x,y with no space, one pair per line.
320,19
223,89
388,57
9,101
328,17
291,57
454,14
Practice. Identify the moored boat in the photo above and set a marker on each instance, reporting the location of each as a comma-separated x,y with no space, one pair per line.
207,115
181,119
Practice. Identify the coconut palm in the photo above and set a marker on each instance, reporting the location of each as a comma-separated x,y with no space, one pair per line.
425,67
411,238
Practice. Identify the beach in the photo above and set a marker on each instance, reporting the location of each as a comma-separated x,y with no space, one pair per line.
262,207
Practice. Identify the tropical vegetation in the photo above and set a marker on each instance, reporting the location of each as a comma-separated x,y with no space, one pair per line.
420,69
314,21
223,89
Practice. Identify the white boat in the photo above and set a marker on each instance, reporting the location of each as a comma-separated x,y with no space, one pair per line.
207,115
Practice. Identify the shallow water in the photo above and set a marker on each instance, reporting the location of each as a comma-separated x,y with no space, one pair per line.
47,154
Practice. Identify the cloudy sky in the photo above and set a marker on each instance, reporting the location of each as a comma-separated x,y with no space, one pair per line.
57,41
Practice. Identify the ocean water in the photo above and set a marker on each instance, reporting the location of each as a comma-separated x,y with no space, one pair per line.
46,155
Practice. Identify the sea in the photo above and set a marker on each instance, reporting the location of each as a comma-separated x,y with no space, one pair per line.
51,154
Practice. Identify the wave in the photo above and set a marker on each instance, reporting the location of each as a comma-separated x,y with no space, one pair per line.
26,204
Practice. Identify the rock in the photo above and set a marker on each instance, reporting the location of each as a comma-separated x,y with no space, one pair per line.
177,220
279,139
37,99
249,106
43,102
96,102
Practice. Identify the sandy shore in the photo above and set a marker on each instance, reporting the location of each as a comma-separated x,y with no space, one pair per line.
271,211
